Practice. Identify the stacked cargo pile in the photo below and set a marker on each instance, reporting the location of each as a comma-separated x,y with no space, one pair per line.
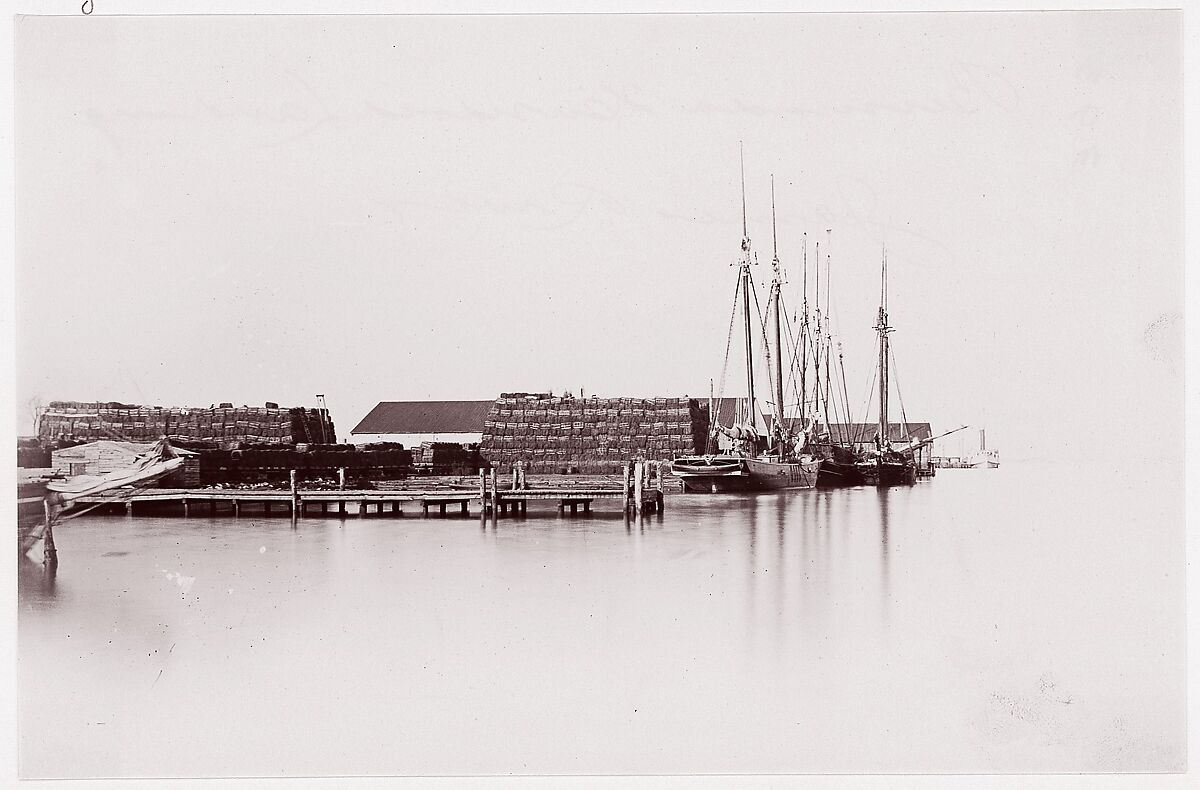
262,425
447,458
31,454
270,463
592,435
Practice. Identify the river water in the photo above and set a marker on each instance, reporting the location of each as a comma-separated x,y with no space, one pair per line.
1009,620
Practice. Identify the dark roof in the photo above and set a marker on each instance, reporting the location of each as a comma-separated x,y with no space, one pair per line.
425,416
863,432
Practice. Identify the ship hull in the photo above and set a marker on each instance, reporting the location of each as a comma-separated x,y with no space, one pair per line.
837,474
985,459
888,474
731,474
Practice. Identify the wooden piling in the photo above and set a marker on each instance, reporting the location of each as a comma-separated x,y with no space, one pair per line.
495,490
49,552
295,494
483,490
185,506
237,507
639,471
625,485
341,478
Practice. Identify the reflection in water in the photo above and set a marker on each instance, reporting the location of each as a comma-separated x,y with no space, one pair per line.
884,564
37,582
591,638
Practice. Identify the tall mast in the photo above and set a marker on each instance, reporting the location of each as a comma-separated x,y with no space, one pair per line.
817,338
828,333
776,285
882,328
804,332
746,285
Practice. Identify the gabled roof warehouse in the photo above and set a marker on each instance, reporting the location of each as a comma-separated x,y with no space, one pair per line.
426,416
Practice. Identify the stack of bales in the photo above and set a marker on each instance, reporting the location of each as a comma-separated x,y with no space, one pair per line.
261,425
447,458
31,454
271,463
592,435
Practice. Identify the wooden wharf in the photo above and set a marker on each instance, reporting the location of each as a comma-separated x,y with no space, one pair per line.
640,490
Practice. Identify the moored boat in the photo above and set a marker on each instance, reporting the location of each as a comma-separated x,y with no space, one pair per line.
886,465
752,463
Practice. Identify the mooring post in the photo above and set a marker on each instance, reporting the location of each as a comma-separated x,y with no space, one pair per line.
129,508
514,475
424,507
237,507
482,491
185,506
463,508
625,485
49,552
495,491
639,472
658,497
521,475
295,494
362,508
341,478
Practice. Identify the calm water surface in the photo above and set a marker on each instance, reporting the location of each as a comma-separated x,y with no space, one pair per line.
986,621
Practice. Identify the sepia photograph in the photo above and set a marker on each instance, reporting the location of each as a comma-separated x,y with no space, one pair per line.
526,394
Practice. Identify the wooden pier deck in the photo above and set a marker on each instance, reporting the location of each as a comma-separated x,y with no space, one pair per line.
641,490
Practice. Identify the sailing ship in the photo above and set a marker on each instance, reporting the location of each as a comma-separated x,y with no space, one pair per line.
888,464
758,460
838,457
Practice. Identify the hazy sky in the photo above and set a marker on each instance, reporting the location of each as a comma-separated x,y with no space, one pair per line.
378,208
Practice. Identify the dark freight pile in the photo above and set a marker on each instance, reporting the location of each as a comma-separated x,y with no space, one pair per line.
262,424
590,435
269,463
446,458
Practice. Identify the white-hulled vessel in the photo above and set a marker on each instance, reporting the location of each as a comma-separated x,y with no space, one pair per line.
985,458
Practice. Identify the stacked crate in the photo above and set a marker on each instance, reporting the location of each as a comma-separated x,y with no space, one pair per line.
447,458
260,425
592,435
271,463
